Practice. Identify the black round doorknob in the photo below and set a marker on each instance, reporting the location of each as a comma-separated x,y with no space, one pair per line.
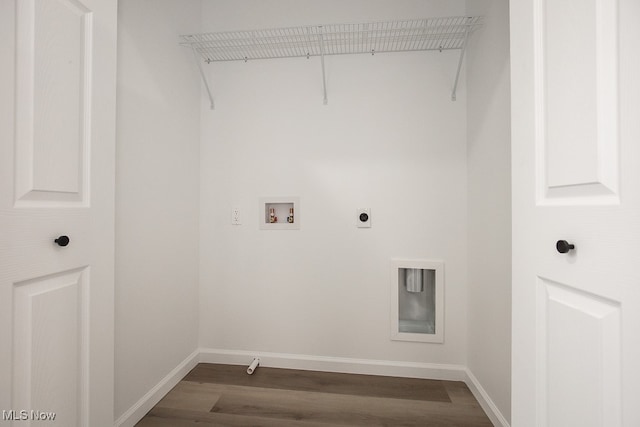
62,240
563,246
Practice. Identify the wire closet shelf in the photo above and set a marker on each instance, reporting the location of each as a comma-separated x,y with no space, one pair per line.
334,39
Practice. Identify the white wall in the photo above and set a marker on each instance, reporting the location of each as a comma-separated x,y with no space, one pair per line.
390,139
489,183
157,195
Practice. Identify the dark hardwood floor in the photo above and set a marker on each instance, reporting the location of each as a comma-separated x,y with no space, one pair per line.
224,395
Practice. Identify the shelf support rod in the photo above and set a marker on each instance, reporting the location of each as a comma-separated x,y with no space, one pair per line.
324,78
204,78
462,52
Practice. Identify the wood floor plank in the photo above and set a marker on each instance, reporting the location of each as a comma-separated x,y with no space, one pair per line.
460,393
190,396
224,395
327,382
164,417
329,408
353,410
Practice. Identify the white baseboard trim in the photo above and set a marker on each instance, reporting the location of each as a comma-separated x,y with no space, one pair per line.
484,400
153,396
336,364
313,363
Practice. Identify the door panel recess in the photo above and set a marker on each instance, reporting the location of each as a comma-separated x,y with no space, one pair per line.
53,99
576,91
579,357
50,338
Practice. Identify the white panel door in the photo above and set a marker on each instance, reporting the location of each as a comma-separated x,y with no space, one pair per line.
57,142
576,178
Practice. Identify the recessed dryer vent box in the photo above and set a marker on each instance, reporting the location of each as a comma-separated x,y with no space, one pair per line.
279,213
417,300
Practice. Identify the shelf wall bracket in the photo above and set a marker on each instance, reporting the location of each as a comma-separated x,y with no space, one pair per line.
204,78
324,78
462,52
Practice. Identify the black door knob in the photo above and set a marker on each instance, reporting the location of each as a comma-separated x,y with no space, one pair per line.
563,246
62,240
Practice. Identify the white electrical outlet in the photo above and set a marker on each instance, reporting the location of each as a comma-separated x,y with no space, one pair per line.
235,216
363,217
